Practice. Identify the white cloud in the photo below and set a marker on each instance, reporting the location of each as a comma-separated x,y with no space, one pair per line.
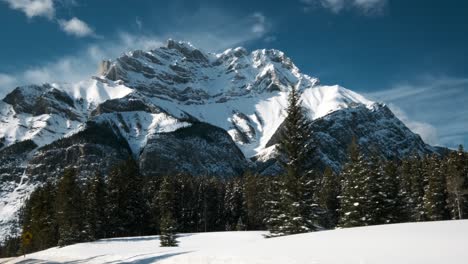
6,82
33,8
259,25
434,107
76,27
337,6
46,8
427,131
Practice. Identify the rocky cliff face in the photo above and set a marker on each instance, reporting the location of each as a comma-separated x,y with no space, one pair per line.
177,109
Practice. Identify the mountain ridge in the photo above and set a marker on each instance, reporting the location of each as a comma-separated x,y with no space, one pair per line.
177,109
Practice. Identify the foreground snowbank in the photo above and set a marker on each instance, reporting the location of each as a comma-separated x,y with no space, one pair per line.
425,243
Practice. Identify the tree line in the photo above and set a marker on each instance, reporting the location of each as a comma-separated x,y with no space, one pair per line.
368,191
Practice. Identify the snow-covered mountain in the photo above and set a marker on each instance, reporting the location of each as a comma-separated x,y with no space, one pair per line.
177,109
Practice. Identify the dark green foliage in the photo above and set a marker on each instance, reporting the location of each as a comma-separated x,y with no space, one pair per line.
328,197
435,193
69,209
368,191
393,209
10,247
457,183
126,208
234,204
354,190
295,197
255,193
39,217
167,207
95,208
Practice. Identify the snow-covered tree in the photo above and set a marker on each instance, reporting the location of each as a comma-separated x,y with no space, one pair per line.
353,197
69,209
95,208
328,197
457,183
167,206
297,211
435,193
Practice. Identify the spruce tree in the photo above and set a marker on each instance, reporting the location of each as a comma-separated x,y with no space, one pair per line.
354,192
69,209
234,203
328,197
298,209
375,201
38,216
166,205
393,207
435,196
416,182
95,208
457,183
255,196
126,208
275,215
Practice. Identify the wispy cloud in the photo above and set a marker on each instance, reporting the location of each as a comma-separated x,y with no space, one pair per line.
76,27
434,107
139,23
32,8
368,7
259,26
229,31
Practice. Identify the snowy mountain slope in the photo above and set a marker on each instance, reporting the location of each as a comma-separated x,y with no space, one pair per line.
45,113
416,243
185,109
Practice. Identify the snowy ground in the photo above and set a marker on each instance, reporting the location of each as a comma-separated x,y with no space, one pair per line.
419,243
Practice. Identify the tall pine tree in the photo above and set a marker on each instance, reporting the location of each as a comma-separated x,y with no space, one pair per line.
95,208
457,183
296,190
353,197
69,209
167,206
435,195
328,197
126,208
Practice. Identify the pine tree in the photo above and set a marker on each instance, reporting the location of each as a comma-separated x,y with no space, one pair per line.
275,216
95,208
393,207
234,203
38,216
328,197
457,183
298,209
126,208
376,195
354,192
167,204
414,177
69,209
255,197
435,196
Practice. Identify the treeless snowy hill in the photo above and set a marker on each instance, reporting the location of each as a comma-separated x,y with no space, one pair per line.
416,243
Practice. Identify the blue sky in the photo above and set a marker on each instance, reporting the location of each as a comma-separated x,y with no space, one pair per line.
412,55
